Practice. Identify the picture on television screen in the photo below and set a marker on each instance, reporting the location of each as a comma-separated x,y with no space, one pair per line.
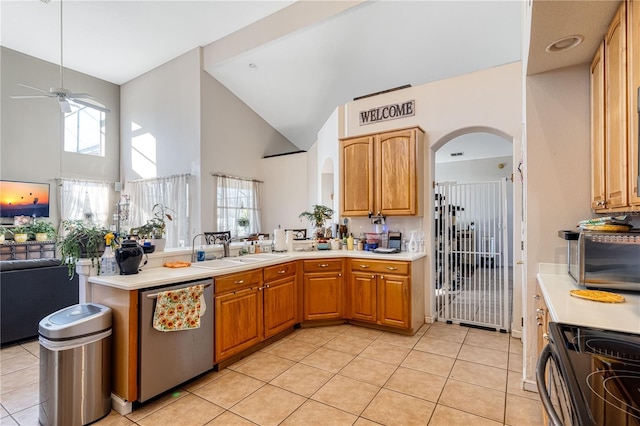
24,199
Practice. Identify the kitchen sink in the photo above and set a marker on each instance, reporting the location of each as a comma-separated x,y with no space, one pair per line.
262,256
218,263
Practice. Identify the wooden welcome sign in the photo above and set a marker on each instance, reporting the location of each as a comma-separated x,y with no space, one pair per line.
388,112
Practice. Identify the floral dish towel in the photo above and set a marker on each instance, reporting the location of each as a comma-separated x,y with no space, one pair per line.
179,309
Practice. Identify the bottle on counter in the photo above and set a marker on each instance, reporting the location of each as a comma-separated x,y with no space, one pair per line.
252,248
108,263
350,242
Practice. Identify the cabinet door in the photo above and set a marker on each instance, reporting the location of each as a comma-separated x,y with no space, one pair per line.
238,324
279,305
633,75
357,176
598,194
393,301
616,110
396,177
363,296
322,295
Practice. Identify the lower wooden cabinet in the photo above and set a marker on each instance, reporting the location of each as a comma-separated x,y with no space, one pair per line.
279,298
323,292
542,319
238,313
253,306
379,292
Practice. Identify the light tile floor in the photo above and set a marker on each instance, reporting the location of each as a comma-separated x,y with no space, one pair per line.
338,375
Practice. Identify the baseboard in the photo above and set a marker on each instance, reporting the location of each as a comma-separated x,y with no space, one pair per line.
120,405
530,385
516,333
429,320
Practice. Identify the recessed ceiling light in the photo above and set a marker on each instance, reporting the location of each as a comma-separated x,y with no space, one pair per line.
565,43
253,66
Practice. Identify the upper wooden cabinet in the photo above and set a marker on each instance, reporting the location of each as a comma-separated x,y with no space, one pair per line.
382,173
633,84
614,135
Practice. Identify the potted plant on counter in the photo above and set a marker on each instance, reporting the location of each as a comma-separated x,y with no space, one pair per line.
20,234
317,217
81,241
155,227
4,231
43,231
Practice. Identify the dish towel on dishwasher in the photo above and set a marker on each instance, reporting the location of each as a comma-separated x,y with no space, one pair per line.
179,309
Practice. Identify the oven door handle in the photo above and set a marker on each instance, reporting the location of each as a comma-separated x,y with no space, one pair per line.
545,356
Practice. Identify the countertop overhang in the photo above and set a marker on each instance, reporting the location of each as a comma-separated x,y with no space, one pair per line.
149,277
555,285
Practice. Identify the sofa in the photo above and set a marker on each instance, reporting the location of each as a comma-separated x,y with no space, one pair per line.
30,290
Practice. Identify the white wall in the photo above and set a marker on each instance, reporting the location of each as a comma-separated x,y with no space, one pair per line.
489,99
30,136
557,175
285,191
234,141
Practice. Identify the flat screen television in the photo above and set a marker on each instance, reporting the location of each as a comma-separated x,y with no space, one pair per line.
23,199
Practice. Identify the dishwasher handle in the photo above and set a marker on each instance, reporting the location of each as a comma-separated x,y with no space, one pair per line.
545,357
155,295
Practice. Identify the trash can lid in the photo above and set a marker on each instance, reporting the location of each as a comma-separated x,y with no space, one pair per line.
76,321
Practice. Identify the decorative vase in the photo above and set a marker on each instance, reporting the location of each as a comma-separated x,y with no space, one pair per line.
20,238
42,236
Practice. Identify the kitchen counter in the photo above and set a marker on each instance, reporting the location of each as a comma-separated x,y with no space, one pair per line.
155,274
555,284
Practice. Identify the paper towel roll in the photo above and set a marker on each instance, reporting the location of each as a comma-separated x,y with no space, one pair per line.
279,241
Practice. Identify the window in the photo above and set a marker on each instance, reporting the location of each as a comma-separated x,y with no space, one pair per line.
171,192
237,205
85,200
84,131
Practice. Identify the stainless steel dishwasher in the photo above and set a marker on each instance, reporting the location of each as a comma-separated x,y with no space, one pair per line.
169,358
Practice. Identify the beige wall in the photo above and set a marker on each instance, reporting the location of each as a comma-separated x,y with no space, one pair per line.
557,175
30,136
489,100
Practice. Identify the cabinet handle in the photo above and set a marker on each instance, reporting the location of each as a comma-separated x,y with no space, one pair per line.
539,323
239,282
322,265
392,268
364,266
282,271
536,296
339,274
545,336
373,276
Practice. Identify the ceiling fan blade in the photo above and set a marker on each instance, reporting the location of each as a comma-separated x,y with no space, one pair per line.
31,96
80,96
64,105
94,105
33,88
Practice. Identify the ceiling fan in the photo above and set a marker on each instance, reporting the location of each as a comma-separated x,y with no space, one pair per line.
64,96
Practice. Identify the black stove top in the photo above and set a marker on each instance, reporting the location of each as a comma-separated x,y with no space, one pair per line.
602,370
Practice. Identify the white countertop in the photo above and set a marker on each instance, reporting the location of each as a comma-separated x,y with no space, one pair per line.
555,284
158,275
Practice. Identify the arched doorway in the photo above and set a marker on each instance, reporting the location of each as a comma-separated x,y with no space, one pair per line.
474,231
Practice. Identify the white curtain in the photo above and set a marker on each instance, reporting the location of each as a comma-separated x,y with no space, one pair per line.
237,198
171,192
85,200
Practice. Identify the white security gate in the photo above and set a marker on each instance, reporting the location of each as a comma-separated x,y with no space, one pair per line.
470,254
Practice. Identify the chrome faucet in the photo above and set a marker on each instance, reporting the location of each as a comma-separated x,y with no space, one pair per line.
222,239
193,245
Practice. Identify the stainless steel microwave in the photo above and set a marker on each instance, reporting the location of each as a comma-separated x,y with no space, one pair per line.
605,260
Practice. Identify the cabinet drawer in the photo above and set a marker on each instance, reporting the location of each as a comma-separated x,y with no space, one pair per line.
279,271
234,282
382,267
322,265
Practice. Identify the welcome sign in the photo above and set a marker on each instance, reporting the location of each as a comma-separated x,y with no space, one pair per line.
388,112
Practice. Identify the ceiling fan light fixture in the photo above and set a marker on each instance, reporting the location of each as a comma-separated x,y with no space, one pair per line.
565,43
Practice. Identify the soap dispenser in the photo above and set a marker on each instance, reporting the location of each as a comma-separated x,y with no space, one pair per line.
413,243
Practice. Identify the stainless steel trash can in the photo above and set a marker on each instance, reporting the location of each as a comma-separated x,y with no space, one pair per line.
75,365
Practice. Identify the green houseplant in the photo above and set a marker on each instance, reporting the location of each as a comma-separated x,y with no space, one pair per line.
3,232
81,241
155,227
42,230
317,216
20,233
